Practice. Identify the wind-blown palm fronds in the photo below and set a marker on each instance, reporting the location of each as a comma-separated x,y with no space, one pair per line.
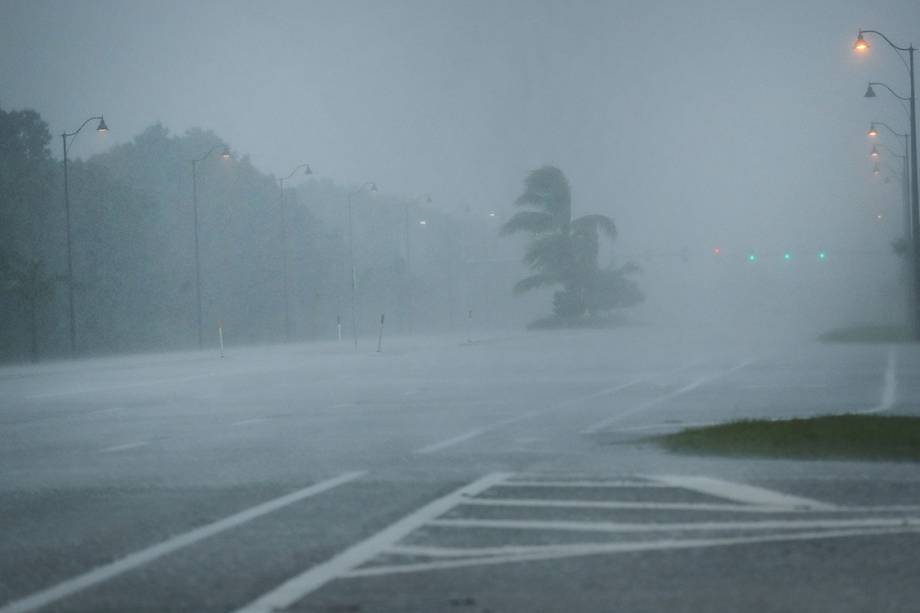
563,251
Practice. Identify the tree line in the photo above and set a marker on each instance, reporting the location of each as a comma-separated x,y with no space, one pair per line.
133,249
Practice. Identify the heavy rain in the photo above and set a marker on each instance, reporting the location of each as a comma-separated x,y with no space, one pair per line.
439,305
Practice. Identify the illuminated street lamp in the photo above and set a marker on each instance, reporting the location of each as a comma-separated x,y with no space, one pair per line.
874,154
225,155
372,188
307,171
872,131
102,129
861,46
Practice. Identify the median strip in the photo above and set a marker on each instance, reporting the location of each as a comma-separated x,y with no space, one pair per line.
850,436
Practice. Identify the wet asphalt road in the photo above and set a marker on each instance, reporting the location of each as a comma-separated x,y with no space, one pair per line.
506,474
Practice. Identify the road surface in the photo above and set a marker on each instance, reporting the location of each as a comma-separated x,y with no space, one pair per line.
504,474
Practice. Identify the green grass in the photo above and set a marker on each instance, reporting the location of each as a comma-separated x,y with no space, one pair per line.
863,437
867,333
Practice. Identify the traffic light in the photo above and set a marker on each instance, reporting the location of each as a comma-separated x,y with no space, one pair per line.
822,255
752,257
787,256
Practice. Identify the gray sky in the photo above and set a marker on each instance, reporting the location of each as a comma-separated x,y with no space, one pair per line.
693,123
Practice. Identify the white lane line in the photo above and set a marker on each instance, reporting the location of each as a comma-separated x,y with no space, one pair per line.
116,388
599,504
462,438
246,422
592,484
456,440
890,386
701,526
138,558
662,399
124,447
300,586
681,425
741,492
568,551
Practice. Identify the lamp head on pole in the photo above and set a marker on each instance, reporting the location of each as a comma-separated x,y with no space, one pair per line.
225,154
874,153
870,93
861,43
872,131
373,188
308,171
876,171
102,127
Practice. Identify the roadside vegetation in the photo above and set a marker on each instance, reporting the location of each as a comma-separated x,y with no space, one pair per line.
862,437
867,333
563,253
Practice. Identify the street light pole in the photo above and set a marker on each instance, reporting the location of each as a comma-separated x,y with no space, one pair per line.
284,261
410,310
372,187
102,128
225,155
862,45
905,200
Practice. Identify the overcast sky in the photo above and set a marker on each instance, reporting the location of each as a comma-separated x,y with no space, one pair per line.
694,123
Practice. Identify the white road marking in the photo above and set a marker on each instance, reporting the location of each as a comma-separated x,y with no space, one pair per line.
682,506
103,573
890,387
741,492
773,386
599,504
314,578
568,551
115,388
701,526
697,424
462,438
124,447
472,434
661,399
556,484
246,422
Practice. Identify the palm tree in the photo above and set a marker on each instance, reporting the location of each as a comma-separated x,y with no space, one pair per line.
563,251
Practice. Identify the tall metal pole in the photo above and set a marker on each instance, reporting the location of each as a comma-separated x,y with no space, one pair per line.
70,282
199,316
354,276
861,45
70,288
915,196
351,260
284,266
409,305
197,254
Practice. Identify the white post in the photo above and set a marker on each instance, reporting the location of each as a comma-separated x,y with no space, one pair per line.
220,335
338,325
469,326
380,333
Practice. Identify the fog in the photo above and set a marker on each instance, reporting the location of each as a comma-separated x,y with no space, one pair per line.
457,305
737,126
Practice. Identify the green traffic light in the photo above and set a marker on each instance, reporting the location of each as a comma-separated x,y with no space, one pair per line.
822,255
787,256
752,258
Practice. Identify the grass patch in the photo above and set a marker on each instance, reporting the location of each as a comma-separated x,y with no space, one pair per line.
867,333
863,437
